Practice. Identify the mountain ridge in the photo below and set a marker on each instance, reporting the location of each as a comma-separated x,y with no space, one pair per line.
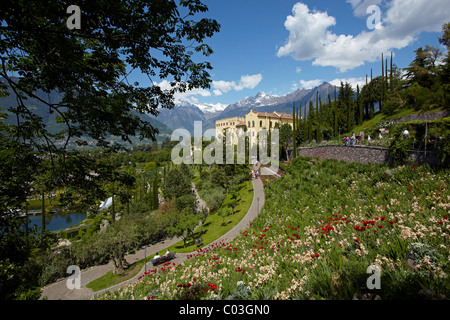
185,113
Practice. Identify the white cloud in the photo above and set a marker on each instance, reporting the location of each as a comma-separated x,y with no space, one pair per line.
246,82
188,95
249,82
309,84
310,37
224,86
218,88
308,32
298,69
353,81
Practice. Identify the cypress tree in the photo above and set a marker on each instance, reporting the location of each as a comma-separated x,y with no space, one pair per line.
294,144
391,87
349,102
335,114
319,107
372,108
299,123
386,79
360,109
305,124
311,118
155,201
366,103
382,81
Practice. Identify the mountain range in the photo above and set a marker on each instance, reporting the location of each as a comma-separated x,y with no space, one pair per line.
41,110
185,113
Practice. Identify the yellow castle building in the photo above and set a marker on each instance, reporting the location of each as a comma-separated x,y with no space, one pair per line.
254,121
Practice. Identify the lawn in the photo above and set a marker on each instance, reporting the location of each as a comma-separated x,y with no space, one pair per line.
110,279
214,228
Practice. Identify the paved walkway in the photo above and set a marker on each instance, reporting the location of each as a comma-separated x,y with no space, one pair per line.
59,290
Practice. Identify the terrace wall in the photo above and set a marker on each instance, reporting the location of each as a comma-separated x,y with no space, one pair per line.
364,154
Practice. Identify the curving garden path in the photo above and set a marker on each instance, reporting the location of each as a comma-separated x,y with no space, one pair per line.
60,291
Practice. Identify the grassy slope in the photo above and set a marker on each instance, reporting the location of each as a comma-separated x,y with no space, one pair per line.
368,125
213,228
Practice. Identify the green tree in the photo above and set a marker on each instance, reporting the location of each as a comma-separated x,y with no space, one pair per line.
218,177
185,226
176,184
89,68
294,132
285,136
224,212
185,203
232,204
444,72
311,120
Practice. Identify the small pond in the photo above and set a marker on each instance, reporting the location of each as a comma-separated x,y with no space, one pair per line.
58,221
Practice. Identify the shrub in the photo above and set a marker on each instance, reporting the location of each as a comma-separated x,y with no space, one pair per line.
214,197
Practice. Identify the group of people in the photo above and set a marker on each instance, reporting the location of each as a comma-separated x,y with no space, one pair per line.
352,140
255,174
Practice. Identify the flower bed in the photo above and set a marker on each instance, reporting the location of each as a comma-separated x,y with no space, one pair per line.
323,224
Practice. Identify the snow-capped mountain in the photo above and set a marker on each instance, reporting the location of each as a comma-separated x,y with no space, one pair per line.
261,99
210,107
185,113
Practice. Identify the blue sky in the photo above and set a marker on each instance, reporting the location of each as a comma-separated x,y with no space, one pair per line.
280,46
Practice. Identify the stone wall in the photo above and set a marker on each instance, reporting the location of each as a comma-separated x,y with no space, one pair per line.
361,154
364,154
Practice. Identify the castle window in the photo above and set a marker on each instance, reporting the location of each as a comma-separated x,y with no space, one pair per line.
253,123
260,123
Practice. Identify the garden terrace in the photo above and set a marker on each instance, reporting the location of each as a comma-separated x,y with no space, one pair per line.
323,224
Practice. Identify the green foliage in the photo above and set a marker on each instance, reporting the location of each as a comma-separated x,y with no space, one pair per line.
214,197
431,136
175,184
185,203
417,97
185,226
223,213
218,177
398,150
